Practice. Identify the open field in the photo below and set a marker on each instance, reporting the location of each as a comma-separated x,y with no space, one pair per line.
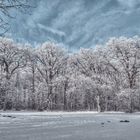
69,126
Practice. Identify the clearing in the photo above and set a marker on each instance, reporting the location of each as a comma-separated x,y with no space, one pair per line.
69,126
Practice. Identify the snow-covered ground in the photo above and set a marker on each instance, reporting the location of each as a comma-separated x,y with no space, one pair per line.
69,126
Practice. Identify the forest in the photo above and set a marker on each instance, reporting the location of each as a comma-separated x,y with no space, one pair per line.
48,77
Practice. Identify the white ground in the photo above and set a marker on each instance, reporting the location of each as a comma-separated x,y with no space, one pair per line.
68,126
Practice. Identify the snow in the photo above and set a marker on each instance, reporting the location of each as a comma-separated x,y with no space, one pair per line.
69,126
35,113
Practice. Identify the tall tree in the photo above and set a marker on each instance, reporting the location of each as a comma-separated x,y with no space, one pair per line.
50,58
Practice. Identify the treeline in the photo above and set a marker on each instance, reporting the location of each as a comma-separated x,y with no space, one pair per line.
47,77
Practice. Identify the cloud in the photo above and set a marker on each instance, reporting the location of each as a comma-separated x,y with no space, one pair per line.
78,23
52,30
129,3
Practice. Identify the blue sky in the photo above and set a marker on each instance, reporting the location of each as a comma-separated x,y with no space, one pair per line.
77,23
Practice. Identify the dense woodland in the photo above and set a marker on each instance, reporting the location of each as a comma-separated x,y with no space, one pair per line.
47,77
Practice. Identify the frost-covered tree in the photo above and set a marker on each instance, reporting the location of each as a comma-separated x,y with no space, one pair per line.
89,62
12,58
103,78
50,61
122,55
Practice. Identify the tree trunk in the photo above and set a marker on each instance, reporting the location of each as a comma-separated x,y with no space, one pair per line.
65,98
98,104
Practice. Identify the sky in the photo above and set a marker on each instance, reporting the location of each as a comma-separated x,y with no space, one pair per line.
77,23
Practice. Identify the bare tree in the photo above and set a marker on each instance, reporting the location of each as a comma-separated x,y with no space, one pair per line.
6,7
12,58
50,61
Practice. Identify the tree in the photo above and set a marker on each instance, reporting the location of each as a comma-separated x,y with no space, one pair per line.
90,63
6,7
122,55
12,58
50,61
104,78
